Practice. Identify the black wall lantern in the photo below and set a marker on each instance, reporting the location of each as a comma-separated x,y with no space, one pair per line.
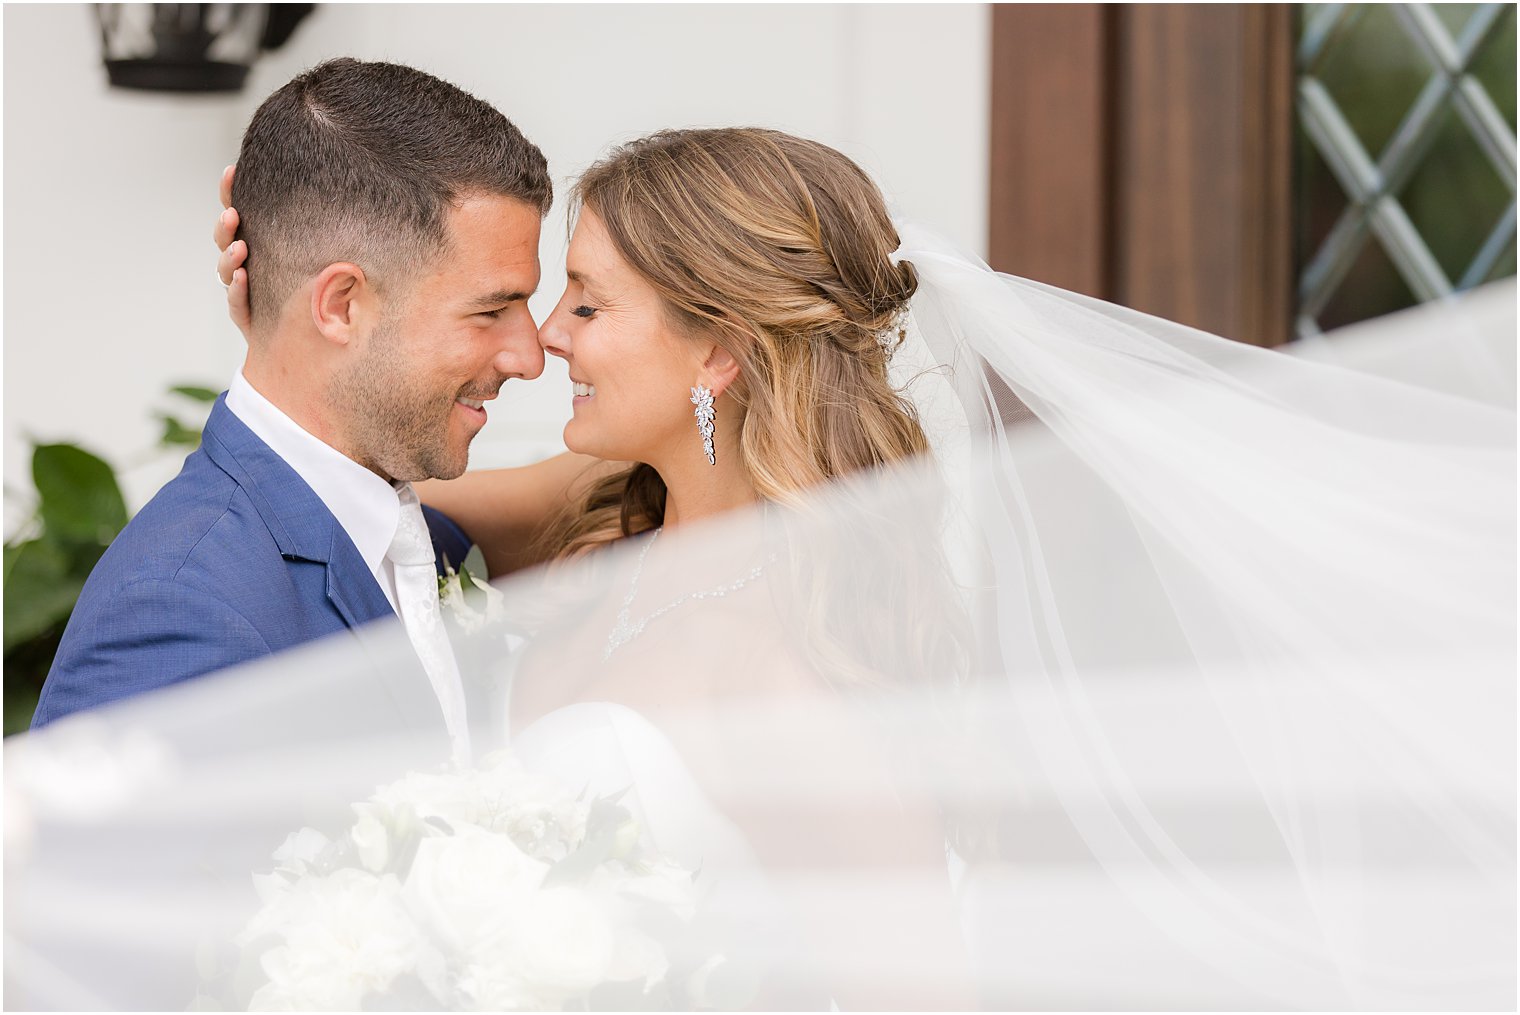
191,47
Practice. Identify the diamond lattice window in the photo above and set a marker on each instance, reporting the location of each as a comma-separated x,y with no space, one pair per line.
1405,155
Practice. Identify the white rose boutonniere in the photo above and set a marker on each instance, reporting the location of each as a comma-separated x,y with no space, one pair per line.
468,601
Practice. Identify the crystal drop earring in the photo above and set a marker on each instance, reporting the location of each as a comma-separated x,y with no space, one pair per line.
702,398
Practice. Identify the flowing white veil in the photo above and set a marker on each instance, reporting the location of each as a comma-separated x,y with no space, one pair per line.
1184,676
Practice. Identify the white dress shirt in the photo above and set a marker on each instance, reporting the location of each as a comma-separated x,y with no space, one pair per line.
363,503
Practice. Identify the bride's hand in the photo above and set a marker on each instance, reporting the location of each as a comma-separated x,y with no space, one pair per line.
229,266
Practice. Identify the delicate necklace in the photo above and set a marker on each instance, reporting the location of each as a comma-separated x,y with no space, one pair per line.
625,630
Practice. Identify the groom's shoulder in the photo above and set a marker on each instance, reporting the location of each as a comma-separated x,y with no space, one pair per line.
202,518
191,585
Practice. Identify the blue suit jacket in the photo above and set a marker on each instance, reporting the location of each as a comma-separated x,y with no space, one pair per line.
234,559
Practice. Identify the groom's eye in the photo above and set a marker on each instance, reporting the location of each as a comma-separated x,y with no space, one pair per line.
583,311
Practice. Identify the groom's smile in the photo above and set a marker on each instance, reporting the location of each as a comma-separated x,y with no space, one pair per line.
474,408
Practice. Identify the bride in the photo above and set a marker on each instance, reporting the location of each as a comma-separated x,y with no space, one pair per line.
1200,657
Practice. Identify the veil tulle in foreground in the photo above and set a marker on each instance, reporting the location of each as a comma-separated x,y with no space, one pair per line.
1183,676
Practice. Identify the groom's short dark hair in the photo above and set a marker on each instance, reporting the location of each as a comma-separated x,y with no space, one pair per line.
358,161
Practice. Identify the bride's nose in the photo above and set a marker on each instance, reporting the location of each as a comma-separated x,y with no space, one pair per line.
553,337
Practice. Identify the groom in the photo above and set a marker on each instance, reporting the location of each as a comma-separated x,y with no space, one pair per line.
395,221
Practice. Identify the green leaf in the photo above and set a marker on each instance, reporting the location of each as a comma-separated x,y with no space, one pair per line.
20,706
40,591
79,496
604,825
177,433
198,394
12,554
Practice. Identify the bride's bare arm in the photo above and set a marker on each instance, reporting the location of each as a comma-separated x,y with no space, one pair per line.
504,510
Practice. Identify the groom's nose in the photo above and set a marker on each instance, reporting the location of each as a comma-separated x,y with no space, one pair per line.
520,354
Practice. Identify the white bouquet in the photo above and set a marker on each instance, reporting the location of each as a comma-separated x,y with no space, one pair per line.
468,889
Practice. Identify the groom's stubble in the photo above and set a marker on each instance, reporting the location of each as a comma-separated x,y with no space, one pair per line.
399,425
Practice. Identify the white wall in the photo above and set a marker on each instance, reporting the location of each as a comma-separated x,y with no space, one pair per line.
109,291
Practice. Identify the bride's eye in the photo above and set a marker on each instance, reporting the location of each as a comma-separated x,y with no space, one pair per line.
583,311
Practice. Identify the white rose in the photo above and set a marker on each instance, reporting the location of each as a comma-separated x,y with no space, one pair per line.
495,987
453,796
697,983
458,882
341,937
660,883
300,850
637,956
471,619
269,887
371,837
664,884
499,759
559,942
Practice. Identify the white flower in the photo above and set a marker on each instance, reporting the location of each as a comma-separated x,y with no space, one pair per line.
339,938
538,813
697,983
637,956
459,883
490,610
495,987
558,944
371,837
300,850
450,586
454,797
665,885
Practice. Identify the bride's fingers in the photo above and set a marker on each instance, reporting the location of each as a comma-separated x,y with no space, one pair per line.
225,229
229,265
230,260
237,300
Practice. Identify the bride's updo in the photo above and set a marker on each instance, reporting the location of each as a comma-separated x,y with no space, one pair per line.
778,249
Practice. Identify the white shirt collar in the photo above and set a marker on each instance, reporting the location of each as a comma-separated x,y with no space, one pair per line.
364,504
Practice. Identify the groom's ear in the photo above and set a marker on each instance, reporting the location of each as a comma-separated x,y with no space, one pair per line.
720,369
336,301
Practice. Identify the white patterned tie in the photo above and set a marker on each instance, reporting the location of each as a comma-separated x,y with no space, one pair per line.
411,554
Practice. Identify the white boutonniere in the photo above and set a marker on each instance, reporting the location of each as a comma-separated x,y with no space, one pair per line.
468,601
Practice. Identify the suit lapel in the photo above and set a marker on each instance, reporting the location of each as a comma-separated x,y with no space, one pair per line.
302,526
351,586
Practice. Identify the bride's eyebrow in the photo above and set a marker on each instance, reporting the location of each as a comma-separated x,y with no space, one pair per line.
578,277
